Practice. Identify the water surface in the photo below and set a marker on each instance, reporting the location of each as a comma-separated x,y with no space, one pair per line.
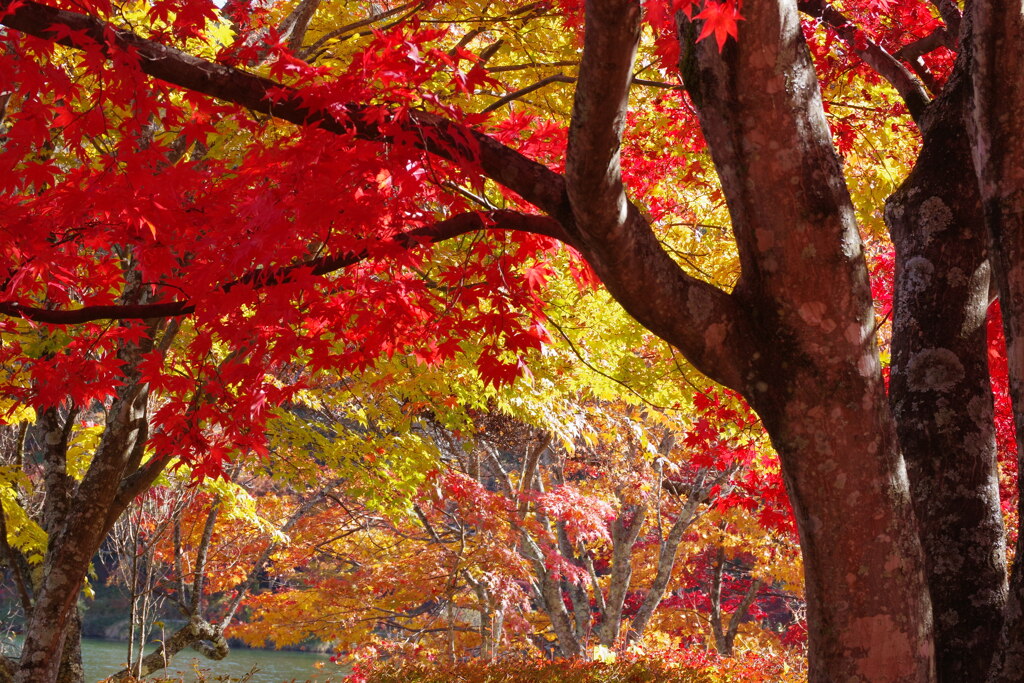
104,657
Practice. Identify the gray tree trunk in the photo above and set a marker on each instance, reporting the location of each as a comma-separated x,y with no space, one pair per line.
996,123
940,392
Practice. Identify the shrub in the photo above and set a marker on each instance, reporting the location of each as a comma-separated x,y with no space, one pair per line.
681,666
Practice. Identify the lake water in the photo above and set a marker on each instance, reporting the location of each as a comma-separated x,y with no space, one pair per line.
104,657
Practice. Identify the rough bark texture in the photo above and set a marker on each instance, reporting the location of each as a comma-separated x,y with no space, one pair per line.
195,634
940,393
996,122
816,380
74,538
71,668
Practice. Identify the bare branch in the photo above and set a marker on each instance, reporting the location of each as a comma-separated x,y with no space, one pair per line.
199,571
342,30
513,96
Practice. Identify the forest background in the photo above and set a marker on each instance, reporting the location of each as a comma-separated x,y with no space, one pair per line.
286,342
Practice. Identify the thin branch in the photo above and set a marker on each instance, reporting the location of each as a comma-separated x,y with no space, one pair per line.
513,96
342,30
530,65
874,55
199,571
243,588
259,278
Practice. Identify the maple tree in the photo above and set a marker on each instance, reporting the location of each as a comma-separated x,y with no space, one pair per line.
518,542
111,220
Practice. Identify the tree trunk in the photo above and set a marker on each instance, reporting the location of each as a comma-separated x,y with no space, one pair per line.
75,540
666,562
625,529
725,636
71,670
548,589
996,123
816,378
940,391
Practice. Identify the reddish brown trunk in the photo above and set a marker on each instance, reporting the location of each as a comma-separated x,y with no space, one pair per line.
816,378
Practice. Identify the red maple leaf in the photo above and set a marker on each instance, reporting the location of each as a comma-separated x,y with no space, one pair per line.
719,18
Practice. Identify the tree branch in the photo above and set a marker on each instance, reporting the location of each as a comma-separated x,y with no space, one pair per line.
194,632
259,278
709,335
592,168
535,182
888,67
950,14
293,28
246,585
199,577
512,96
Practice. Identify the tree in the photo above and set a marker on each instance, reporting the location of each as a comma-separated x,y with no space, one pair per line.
523,540
794,334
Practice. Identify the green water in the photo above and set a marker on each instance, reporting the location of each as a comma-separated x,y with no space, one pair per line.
103,657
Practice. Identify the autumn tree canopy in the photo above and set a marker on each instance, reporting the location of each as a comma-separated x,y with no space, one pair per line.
202,207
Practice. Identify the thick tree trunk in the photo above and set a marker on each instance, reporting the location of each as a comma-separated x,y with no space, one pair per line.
74,541
996,122
71,669
940,391
816,379
869,614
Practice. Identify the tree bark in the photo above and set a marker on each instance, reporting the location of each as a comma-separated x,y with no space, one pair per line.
193,633
940,390
816,378
625,529
76,519
666,562
71,669
996,122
